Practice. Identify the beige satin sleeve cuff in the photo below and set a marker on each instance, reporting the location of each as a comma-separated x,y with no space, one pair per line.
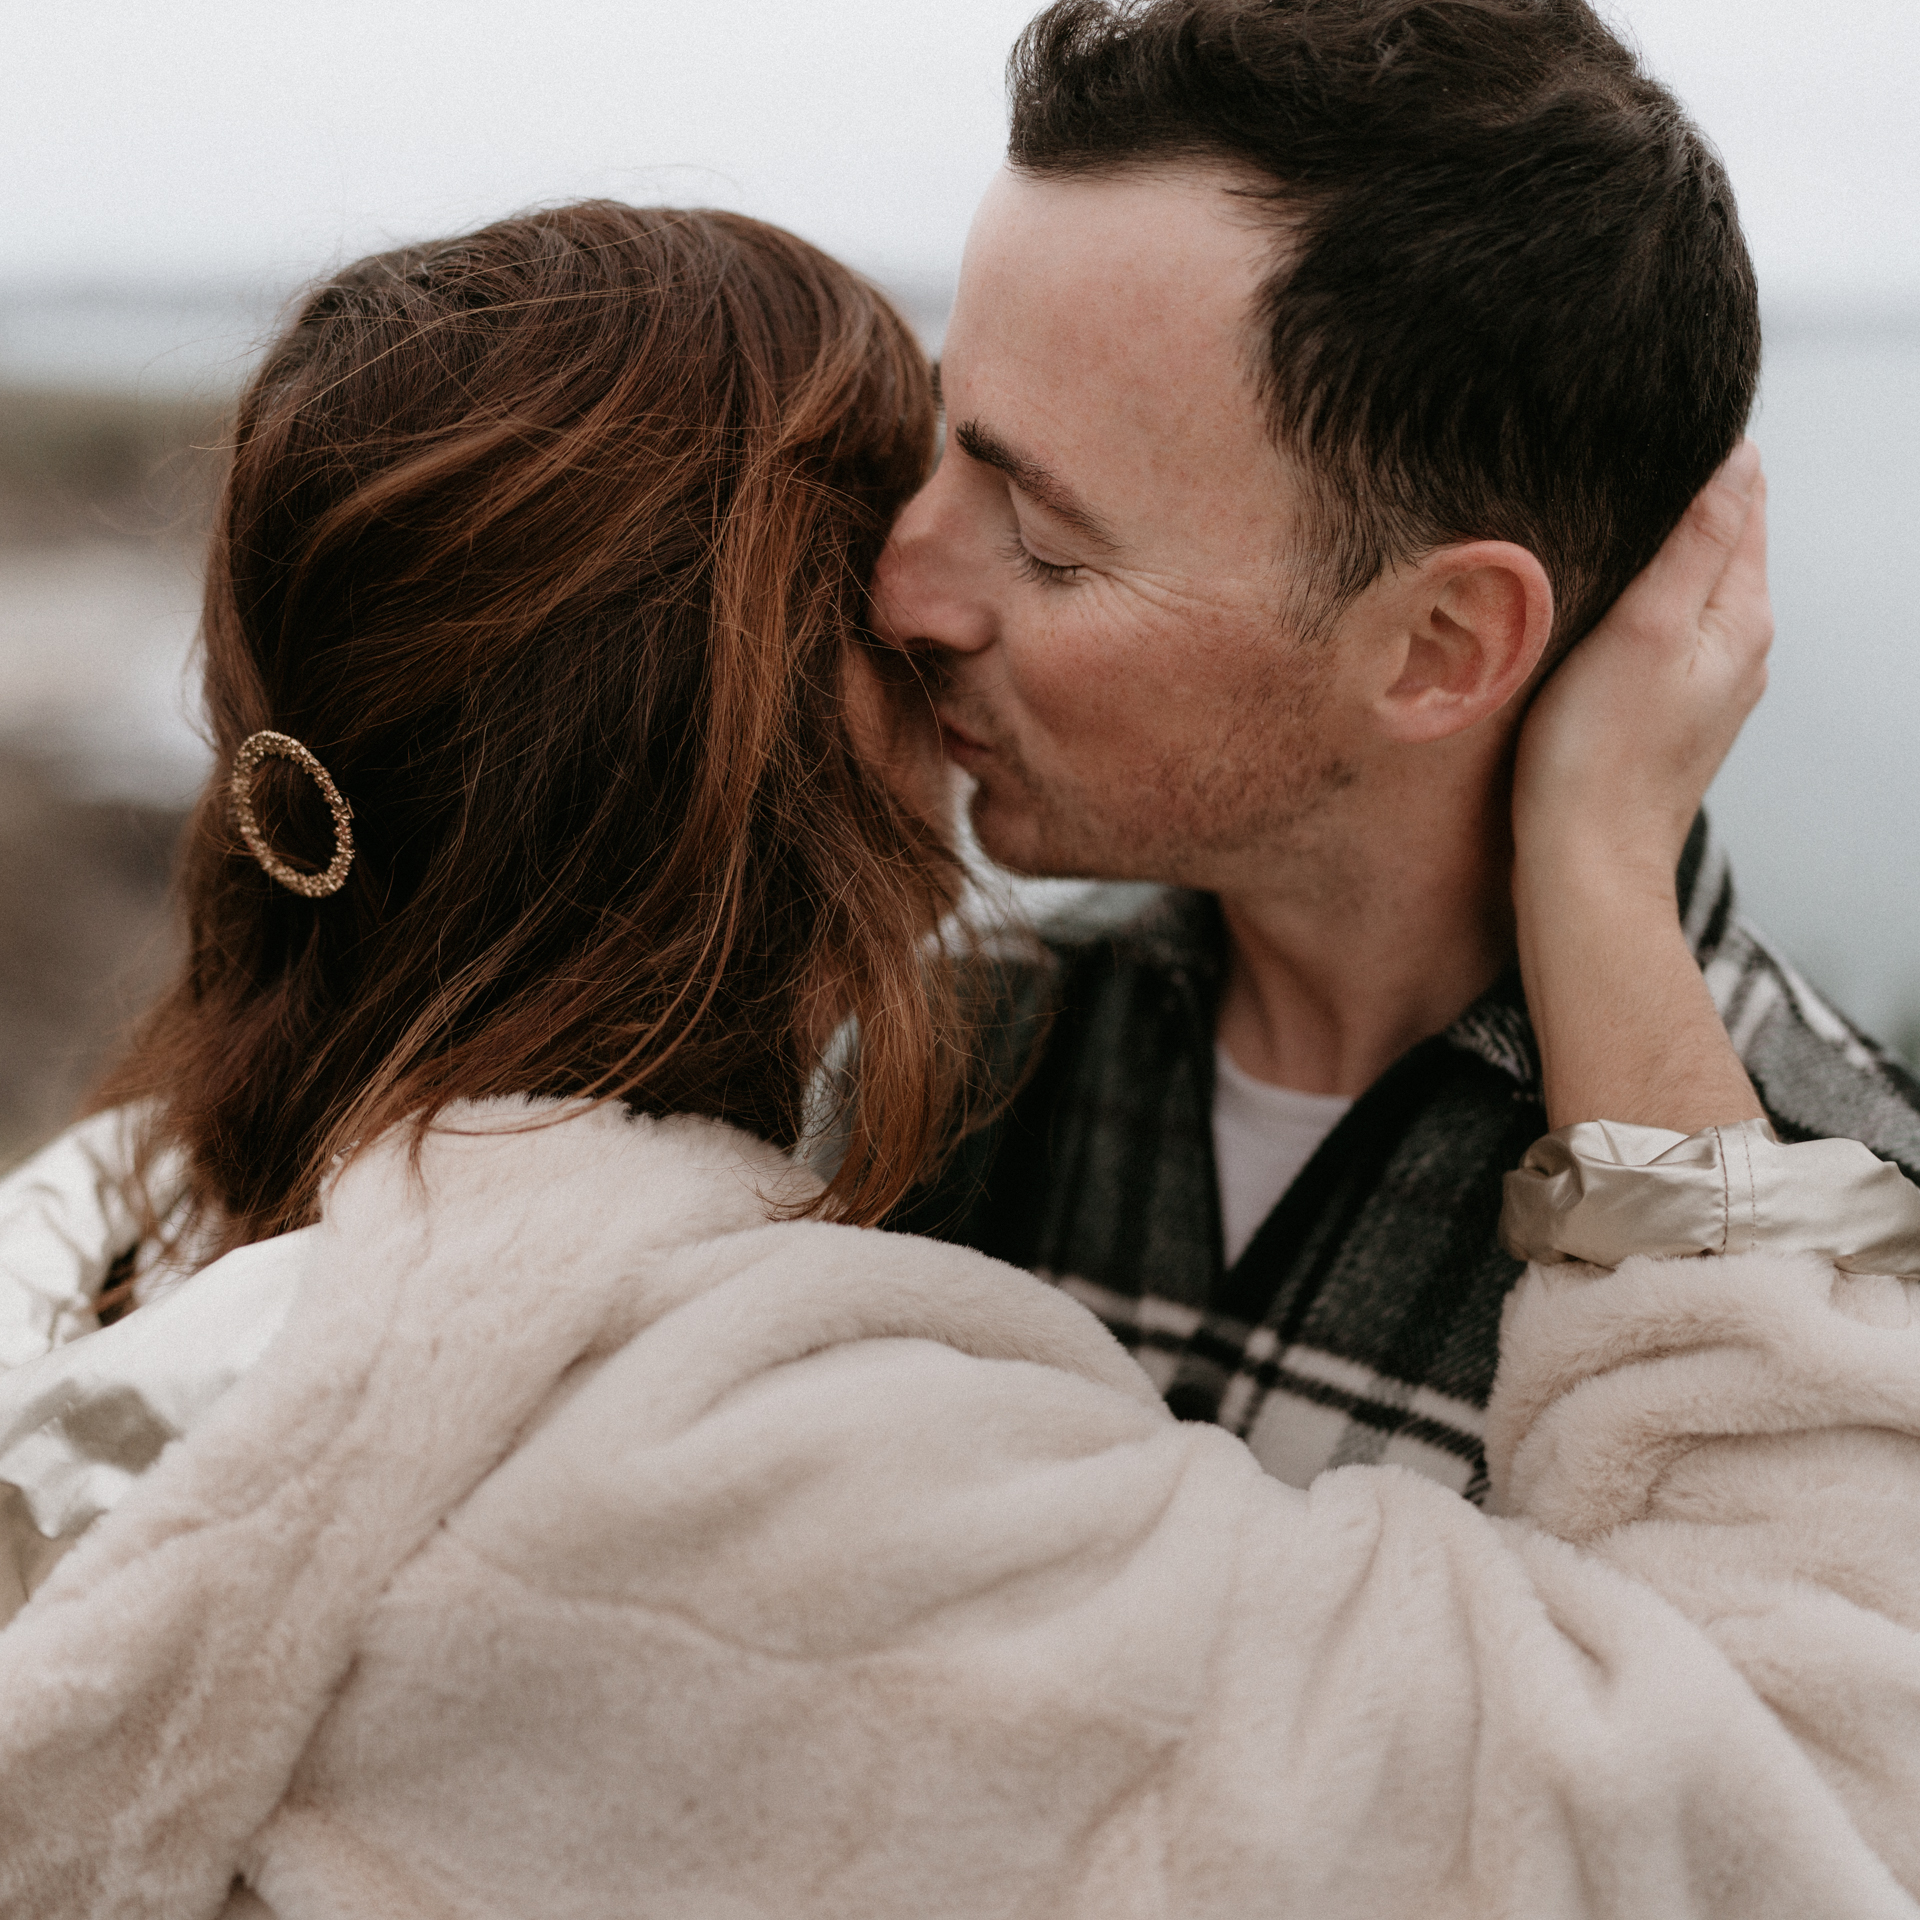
1603,1191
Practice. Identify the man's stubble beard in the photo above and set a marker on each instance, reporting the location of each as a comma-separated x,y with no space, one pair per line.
1252,799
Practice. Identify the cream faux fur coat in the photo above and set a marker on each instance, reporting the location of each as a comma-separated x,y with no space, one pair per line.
585,1546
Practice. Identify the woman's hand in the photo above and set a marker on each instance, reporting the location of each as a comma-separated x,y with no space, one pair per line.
1622,742
1613,762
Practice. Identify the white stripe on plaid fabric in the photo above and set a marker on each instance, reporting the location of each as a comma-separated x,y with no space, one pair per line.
1306,1367
1377,1336
1818,1015
1712,894
1297,1440
1153,1330
1313,1411
1310,1410
1763,994
1750,982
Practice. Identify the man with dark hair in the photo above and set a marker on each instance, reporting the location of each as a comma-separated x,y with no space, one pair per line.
1320,371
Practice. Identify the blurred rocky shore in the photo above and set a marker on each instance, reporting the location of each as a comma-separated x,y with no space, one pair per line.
104,501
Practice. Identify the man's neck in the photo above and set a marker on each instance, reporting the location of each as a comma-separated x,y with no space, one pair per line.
1337,970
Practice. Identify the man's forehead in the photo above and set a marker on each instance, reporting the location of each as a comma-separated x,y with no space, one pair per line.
1149,272
1102,353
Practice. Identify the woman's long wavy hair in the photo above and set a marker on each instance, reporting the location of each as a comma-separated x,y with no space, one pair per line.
552,543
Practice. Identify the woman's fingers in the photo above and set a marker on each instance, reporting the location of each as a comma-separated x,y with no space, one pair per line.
1739,613
1624,739
1707,555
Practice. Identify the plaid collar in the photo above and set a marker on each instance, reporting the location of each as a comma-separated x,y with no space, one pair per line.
1362,1323
1183,936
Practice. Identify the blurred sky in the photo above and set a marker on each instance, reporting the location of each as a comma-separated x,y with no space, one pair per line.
262,139
172,167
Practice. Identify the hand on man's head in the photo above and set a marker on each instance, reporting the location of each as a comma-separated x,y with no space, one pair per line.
1620,746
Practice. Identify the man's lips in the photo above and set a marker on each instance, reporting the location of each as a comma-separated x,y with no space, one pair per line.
961,745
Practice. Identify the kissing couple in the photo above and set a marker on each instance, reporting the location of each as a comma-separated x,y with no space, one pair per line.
609,1348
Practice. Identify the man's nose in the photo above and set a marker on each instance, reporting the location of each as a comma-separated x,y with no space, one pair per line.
930,588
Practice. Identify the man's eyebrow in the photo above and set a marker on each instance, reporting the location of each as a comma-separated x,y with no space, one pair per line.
1038,483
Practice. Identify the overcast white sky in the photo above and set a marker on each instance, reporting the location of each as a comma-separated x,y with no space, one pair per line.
173,139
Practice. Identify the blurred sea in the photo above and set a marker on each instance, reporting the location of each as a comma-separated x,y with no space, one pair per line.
1820,803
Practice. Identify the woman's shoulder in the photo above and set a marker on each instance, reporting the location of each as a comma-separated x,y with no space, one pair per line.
64,1220
82,1423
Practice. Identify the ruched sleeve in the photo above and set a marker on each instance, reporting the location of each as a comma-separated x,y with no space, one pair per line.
1603,1192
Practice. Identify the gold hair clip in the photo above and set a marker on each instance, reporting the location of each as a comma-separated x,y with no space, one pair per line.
268,744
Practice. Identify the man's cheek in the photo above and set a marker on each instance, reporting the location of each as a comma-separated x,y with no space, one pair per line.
1184,661
1091,691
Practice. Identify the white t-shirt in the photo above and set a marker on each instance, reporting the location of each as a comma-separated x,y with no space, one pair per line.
1262,1136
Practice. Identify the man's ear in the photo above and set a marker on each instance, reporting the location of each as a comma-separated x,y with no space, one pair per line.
1474,622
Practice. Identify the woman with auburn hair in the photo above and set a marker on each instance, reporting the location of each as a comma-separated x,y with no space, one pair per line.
520,1489
548,543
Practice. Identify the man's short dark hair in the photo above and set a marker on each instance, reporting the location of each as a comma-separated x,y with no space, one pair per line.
1512,299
